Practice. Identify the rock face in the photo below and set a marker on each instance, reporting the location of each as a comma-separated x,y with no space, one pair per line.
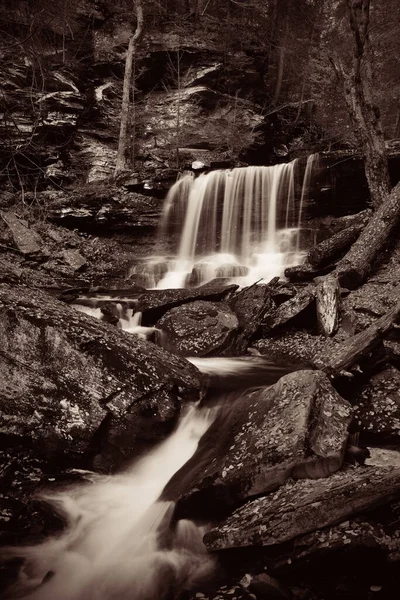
198,329
296,428
304,506
102,208
75,387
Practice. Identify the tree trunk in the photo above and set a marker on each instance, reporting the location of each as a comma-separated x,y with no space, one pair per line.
363,112
348,354
306,272
325,252
353,269
121,162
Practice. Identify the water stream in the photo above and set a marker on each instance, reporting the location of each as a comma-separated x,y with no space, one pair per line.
118,544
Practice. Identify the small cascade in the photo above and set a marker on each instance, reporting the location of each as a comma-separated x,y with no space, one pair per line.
120,541
118,311
243,224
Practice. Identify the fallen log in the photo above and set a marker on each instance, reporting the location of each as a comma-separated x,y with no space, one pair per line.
328,304
327,251
346,355
355,266
306,272
340,223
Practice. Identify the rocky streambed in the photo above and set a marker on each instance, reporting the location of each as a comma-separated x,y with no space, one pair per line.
300,480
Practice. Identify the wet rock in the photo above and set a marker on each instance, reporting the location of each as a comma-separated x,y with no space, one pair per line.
377,408
231,271
281,292
149,273
265,586
23,474
206,270
198,329
300,507
26,240
73,384
296,428
153,304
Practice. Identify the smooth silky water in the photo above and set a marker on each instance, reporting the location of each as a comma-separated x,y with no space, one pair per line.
118,544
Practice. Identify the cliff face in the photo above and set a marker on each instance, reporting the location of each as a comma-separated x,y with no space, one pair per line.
62,79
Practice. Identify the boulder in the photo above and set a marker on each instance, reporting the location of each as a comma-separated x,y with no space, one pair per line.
198,328
26,240
300,507
296,428
76,387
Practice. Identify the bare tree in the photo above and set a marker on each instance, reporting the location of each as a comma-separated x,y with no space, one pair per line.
128,98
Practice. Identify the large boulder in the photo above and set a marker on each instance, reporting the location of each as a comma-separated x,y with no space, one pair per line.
300,507
198,328
296,428
79,388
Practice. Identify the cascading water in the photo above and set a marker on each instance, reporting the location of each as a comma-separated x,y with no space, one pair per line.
118,543
243,224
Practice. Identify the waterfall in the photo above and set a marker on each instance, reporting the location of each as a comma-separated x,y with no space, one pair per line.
242,223
119,542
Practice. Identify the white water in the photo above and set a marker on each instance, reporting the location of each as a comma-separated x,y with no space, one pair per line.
129,320
118,544
243,224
